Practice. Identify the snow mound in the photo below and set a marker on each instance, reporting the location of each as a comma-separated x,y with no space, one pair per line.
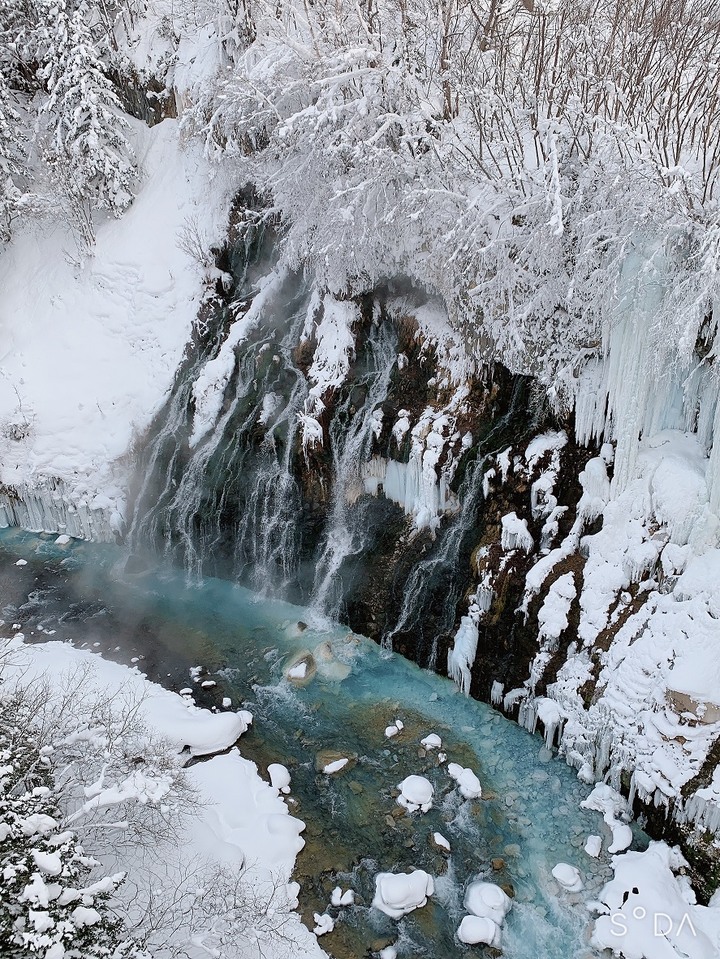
397,894
416,792
467,781
568,876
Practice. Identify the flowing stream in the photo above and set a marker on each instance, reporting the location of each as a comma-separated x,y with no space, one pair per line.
527,820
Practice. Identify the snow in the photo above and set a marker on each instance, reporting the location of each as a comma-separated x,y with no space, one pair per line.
241,819
441,841
279,777
593,846
464,649
568,877
297,672
486,900
416,792
49,863
431,741
612,805
335,766
119,322
515,533
397,894
553,614
323,923
330,324
394,728
468,783
474,930
647,911
340,898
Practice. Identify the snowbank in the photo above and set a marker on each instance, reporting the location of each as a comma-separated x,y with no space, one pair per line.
648,912
242,820
90,350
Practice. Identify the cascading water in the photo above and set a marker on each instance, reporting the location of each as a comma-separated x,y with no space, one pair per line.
351,436
436,581
233,487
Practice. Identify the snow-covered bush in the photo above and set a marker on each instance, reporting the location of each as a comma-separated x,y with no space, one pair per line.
53,901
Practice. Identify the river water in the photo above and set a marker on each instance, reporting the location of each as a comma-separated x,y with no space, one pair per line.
527,820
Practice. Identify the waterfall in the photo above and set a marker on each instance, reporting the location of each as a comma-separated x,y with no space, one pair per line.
436,583
352,431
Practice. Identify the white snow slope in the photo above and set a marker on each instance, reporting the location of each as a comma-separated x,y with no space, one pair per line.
90,349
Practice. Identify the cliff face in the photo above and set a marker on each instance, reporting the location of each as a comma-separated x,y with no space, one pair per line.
351,455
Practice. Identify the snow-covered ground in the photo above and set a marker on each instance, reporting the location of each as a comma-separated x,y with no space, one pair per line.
90,348
241,821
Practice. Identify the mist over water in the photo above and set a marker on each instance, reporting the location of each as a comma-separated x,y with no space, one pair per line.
527,821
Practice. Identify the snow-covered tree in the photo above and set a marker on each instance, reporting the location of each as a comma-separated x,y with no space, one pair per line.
50,905
86,149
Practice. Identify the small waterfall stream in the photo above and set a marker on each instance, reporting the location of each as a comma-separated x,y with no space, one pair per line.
351,437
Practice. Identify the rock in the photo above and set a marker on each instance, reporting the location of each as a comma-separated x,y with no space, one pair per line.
497,864
355,788
329,757
301,668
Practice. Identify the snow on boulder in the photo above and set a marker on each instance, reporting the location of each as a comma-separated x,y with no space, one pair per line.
62,540
397,894
432,741
340,898
416,792
323,923
394,728
479,929
612,805
568,876
279,777
440,841
335,766
593,846
467,781
488,901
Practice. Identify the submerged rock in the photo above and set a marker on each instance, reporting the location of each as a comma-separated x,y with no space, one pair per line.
301,668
